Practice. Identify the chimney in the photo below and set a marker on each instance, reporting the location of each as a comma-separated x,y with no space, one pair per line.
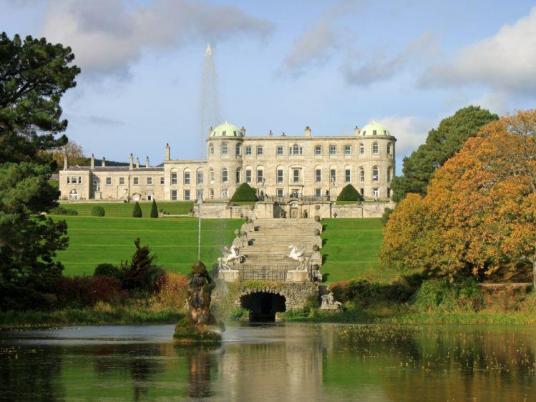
131,162
307,132
168,152
92,161
147,162
270,133
137,162
357,130
65,163
103,163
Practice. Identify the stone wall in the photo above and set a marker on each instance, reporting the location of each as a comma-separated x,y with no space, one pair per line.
296,294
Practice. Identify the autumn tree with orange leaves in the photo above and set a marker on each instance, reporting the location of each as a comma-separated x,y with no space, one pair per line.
478,217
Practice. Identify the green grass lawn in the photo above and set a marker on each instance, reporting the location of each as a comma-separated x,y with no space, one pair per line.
124,209
95,240
351,250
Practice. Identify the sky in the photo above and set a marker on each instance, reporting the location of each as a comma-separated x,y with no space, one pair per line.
281,65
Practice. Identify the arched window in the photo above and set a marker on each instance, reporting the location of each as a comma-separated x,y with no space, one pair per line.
224,175
295,149
211,149
238,149
389,148
248,175
238,171
361,174
211,174
375,175
187,177
389,173
375,149
224,148
361,148
73,194
173,178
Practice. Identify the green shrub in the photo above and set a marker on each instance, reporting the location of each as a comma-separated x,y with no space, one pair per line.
136,212
441,295
154,210
108,270
59,210
386,214
349,193
98,211
244,193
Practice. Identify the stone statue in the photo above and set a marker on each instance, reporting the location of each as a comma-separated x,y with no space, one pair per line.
231,256
199,324
329,303
297,254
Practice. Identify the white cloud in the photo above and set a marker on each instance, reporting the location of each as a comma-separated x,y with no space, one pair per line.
504,62
410,131
318,43
381,67
108,35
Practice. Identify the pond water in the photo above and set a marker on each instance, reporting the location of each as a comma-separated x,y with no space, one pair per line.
277,362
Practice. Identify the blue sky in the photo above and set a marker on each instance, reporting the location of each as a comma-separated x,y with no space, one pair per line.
281,65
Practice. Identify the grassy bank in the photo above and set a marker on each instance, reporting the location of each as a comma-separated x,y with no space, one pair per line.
97,240
99,315
351,249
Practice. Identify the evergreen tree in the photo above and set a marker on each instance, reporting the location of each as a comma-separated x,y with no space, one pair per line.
154,209
34,75
349,193
141,273
441,144
136,212
244,193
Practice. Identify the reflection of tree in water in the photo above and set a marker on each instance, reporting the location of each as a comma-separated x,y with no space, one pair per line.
31,374
201,364
448,363
138,360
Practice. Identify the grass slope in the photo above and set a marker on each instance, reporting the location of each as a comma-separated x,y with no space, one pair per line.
124,209
351,250
96,240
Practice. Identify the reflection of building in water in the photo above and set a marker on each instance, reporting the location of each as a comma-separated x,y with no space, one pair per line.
286,368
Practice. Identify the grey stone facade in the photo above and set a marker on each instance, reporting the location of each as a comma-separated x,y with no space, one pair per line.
278,166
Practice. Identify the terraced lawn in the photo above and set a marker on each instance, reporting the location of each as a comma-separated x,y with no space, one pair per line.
95,240
124,209
351,250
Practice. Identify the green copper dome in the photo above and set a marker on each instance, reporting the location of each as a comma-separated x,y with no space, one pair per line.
226,130
374,128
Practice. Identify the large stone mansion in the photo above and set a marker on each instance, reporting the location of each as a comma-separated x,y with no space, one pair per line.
278,166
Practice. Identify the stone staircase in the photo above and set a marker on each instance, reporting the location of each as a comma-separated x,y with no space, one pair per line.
265,245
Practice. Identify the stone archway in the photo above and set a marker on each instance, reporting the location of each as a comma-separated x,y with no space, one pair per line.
263,306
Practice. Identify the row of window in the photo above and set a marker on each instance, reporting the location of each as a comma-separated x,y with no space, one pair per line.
280,175
135,181
298,149
187,194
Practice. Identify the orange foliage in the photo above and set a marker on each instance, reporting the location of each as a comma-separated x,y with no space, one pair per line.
173,289
479,215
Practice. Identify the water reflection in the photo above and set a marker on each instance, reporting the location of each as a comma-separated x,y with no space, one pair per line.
273,362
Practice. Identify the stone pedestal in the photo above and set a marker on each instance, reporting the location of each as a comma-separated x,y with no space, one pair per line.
297,276
231,275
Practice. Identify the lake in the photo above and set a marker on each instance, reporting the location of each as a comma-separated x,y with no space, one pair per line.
277,362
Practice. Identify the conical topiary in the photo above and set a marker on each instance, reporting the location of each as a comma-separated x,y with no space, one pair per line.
154,210
136,212
349,193
244,192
